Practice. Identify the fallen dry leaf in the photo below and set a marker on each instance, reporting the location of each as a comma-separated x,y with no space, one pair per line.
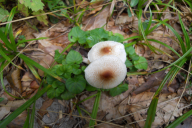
45,62
97,21
138,105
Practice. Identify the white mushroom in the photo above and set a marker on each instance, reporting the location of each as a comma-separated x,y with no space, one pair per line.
106,72
107,48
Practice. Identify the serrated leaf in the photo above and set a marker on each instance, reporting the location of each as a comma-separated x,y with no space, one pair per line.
67,95
76,34
23,9
41,18
3,15
76,85
74,57
59,57
118,90
34,5
141,63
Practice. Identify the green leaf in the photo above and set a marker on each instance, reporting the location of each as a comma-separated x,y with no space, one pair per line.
129,12
128,64
130,50
60,89
67,95
117,37
42,18
76,85
134,57
57,84
4,14
23,9
92,40
1,99
141,63
99,33
34,5
59,57
118,90
91,88
76,34
134,3
51,93
74,57
77,71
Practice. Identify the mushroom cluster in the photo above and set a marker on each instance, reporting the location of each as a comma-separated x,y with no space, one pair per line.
107,68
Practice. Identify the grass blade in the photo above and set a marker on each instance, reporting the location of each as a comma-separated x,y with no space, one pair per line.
130,38
14,114
32,117
23,41
6,41
187,40
95,109
32,62
177,35
180,119
34,72
165,46
11,15
151,111
26,124
12,38
152,108
150,21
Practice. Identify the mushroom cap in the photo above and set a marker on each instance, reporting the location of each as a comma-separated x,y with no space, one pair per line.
106,72
107,48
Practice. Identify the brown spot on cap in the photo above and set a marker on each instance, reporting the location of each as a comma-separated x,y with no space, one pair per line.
107,75
105,50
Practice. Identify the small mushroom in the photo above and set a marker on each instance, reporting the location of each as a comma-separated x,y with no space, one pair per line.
107,48
106,72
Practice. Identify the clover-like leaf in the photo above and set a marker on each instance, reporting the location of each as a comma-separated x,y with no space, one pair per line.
59,57
51,93
118,90
67,95
76,85
128,63
60,89
74,57
91,88
77,71
50,79
57,84
141,63
99,32
76,34
134,57
130,50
